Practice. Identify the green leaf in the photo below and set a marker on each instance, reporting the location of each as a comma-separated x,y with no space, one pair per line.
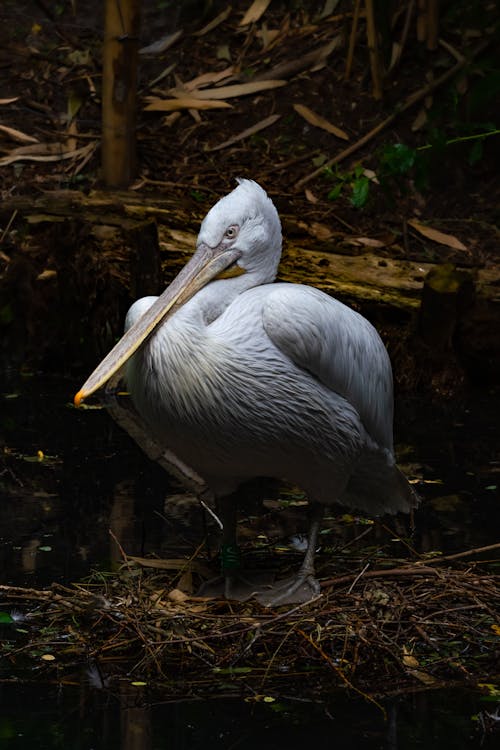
397,159
360,190
232,670
334,193
6,618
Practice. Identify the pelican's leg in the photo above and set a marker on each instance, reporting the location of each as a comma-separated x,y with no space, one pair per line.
304,585
231,583
229,550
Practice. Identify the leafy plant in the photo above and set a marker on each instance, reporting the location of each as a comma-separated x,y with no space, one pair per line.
356,180
398,162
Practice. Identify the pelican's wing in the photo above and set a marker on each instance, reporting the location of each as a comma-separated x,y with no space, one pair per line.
336,345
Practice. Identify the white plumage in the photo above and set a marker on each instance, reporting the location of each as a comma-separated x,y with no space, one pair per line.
251,378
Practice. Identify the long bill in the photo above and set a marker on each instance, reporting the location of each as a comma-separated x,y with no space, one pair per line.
206,264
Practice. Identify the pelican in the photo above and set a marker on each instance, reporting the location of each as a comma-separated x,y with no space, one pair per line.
240,377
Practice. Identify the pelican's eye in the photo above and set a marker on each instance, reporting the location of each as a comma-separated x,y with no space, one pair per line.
231,232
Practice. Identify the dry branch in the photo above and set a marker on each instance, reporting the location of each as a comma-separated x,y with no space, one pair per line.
394,627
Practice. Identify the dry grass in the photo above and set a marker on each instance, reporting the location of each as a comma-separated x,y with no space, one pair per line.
374,632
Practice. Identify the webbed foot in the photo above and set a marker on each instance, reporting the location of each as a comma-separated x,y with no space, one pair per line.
235,586
298,589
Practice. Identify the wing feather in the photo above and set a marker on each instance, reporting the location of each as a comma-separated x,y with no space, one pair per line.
339,347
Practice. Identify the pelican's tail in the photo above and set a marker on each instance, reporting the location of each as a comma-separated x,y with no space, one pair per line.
380,489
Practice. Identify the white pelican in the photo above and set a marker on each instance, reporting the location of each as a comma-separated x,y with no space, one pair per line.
240,377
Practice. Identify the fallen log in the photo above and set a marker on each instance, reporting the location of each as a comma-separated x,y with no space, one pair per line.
86,251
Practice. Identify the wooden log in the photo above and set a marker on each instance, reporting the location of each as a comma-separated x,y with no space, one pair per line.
99,272
447,296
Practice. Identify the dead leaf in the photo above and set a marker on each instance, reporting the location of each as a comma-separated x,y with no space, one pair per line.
419,120
206,78
248,132
215,22
320,231
171,564
171,119
268,36
434,234
17,135
229,92
423,677
47,274
223,52
371,175
255,11
156,48
74,104
187,102
46,152
319,121
177,596
410,661
195,114
311,60
10,100
310,196
367,242
397,49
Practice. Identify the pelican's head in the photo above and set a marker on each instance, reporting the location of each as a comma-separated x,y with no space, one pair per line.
240,235
246,224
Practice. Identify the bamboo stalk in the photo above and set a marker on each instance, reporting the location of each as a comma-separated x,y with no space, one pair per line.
119,91
422,20
352,40
373,49
432,24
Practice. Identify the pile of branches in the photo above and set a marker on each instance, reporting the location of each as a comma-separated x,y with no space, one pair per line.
415,624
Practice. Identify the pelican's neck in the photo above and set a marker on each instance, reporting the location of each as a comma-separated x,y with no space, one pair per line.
211,301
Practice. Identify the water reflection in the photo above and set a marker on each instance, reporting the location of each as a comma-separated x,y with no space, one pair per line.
81,719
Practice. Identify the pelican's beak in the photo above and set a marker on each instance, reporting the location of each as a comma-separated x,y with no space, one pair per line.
207,263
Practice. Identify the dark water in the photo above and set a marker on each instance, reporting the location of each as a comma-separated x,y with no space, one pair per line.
77,719
67,477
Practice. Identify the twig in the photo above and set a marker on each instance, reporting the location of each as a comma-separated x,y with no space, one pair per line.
467,553
5,231
120,548
391,572
452,51
340,673
349,590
